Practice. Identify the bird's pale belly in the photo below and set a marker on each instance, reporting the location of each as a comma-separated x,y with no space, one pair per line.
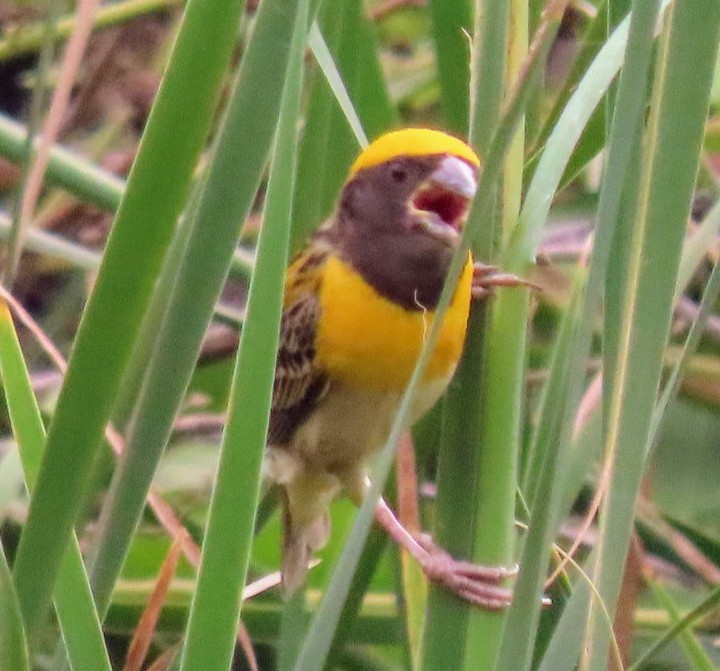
342,434
368,342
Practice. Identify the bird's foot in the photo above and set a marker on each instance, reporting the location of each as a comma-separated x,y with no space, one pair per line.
477,584
486,278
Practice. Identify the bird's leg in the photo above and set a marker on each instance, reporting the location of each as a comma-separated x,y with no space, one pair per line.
480,585
486,278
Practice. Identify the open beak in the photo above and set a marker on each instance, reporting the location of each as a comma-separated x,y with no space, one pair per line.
440,205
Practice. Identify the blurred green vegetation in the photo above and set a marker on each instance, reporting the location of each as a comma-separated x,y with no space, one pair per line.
190,213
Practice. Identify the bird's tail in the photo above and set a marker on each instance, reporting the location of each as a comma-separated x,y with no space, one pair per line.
306,526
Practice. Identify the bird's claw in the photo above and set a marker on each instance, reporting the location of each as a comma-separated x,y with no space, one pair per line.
477,584
487,277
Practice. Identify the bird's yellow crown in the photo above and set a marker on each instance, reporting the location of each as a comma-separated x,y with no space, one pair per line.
412,142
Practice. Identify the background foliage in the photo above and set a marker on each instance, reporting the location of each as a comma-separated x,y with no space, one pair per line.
186,150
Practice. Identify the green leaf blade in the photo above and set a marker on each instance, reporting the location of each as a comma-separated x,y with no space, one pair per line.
226,548
675,127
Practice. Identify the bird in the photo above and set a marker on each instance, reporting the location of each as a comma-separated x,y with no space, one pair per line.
358,301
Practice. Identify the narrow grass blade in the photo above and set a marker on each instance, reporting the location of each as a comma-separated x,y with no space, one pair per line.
445,618
33,142
11,479
565,646
445,636
580,107
328,144
24,413
707,305
65,168
487,71
452,22
588,94
48,130
517,652
13,646
324,59
48,244
243,139
76,613
292,629
75,608
145,631
590,42
141,359
226,548
500,405
680,625
698,658
696,248
546,181
675,127
376,544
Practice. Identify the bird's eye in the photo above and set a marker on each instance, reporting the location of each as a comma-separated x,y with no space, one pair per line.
398,174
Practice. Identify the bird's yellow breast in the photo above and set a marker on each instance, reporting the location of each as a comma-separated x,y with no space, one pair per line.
367,341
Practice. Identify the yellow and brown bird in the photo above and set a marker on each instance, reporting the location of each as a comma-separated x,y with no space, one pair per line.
359,299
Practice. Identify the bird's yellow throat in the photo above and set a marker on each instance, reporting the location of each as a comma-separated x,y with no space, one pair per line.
370,342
